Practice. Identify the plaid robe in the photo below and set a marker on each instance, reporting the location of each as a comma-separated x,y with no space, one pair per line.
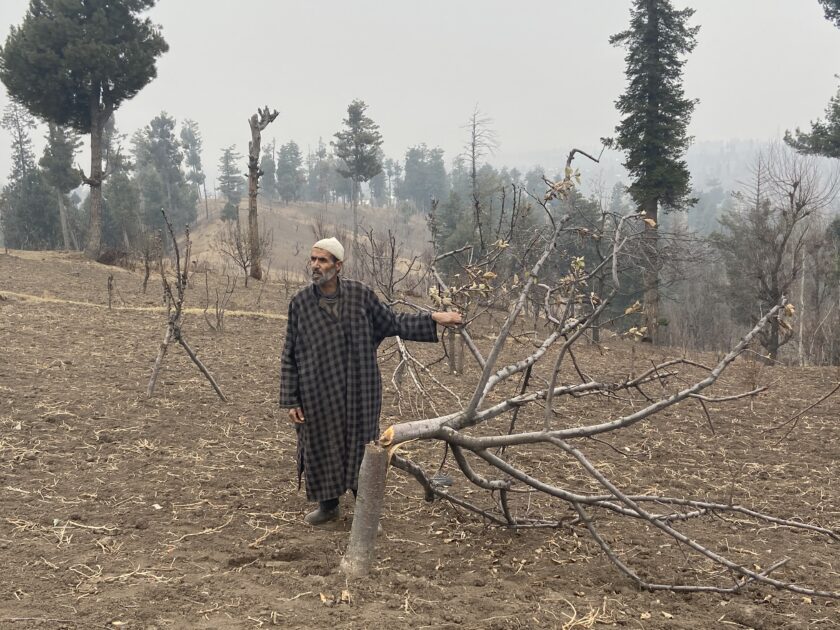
329,369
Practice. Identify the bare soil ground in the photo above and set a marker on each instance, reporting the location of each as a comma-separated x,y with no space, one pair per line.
183,512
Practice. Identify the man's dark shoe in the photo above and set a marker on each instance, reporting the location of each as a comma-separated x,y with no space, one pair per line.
321,516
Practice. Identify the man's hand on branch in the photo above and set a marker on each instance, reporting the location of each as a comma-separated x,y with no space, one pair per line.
296,415
448,318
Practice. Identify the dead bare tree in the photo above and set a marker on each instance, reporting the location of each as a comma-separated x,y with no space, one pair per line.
235,244
223,296
492,459
473,267
384,266
395,277
291,279
322,228
150,252
481,141
763,239
257,122
174,309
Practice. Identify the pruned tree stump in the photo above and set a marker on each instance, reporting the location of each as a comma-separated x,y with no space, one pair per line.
370,498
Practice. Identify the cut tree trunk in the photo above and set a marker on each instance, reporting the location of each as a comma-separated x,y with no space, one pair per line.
257,122
371,495
456,351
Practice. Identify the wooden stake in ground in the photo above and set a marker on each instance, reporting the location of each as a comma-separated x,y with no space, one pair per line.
174,305
369,500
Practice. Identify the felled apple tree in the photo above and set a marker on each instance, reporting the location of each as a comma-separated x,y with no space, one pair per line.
496,452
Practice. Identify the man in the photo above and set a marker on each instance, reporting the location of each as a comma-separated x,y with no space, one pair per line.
329,376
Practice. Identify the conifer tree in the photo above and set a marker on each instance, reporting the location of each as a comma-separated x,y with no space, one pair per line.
425,176
19,123
268,166
191,143
231,182
74,62
357,146
832,11
290,176
318,175
378,195
653,129
25,208
159,156
127,214
824,137
60,172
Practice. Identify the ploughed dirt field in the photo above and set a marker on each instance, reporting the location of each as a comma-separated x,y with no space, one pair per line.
181,511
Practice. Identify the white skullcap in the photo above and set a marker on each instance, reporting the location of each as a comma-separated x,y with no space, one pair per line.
332,246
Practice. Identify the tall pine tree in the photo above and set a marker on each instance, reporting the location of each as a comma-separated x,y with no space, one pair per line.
159,157
318,175
357,146
832,10
59,171
655,115
25,216
124,207
425,177
824,137
231,183
191,143
268,166
290,175
74,62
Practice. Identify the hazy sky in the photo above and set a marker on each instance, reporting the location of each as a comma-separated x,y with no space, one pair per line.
543,70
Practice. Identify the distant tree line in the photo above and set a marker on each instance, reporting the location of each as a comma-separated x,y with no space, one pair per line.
710,259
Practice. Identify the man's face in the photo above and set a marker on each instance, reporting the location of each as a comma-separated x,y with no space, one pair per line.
322,266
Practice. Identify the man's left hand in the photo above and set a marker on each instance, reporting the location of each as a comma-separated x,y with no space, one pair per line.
448,318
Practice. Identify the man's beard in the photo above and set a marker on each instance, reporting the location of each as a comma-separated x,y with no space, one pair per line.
320,279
